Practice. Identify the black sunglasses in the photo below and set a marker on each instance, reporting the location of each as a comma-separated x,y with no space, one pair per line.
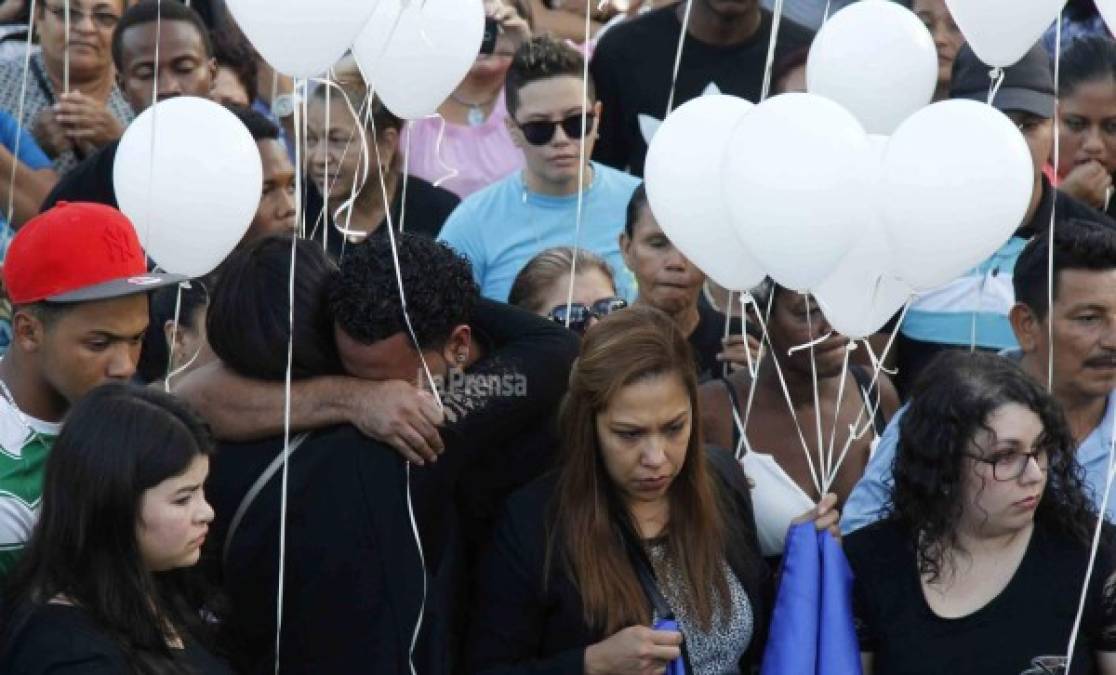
580,314
542,131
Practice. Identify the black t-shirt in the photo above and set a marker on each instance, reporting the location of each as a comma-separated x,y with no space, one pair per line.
707,340
427,209
1031,617
633,64
90,181
63,639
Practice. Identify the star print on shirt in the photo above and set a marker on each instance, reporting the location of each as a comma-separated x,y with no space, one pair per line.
649,125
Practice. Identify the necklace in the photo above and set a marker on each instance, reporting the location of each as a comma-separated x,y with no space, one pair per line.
476,115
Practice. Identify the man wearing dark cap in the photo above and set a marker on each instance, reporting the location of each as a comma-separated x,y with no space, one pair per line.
78,282
973,309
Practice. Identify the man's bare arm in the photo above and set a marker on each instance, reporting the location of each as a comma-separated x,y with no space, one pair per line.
241,409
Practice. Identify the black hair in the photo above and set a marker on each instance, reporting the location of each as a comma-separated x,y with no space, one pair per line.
636,205
261,128
541,58
46,312
84,547
438,283
155,353
1086,59
1078,245
952,401
151,11
232,50
248,322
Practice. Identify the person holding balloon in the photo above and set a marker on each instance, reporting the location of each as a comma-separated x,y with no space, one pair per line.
1087,116
776,440
185,68
349,203
468,147
985,552
639,525
72,102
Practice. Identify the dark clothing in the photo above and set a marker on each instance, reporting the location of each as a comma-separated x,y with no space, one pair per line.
707,340
64,640
634,61
1031,617
353,581
528,621
90,181
426,212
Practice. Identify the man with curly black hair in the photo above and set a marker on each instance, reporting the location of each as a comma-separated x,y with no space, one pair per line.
1070,344
552,119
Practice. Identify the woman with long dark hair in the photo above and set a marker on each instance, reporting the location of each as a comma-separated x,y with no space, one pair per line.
639,525
980,566
1087,117
103,586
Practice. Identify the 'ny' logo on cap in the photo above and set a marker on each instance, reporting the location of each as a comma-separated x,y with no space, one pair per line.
118,246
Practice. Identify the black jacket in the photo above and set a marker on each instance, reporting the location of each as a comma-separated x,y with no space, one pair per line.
522,626
353,581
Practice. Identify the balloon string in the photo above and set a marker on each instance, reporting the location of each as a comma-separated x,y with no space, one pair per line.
814,382
154,130
300,109
790,404
836,415
856,432
429,379
678,57
996,77
812,343
1053,208
452,172
8,227
197,352
580,165
403,189
66,54
766,316
777,18
174,335
825,15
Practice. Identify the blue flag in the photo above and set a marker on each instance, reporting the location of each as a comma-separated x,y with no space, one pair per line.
812,630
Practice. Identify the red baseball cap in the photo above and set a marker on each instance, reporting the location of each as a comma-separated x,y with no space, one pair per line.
78,252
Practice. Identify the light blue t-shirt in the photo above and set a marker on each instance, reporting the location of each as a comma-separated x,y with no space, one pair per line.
872,493
500,228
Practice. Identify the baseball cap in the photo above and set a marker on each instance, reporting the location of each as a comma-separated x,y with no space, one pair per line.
1028,85
78,252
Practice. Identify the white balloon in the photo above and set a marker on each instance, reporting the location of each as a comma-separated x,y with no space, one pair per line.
791,185
957,180
1107,9
1001,32
682,174
415,54
301,38
877,59
861,295
193,200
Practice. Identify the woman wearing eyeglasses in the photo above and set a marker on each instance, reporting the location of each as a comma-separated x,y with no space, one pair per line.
640,525
543,287
69,124
980,566
355,206
672,284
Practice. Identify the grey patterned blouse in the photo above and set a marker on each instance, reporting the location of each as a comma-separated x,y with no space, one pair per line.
41,94
719,650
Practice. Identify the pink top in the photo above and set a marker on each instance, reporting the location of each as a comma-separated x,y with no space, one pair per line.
480,155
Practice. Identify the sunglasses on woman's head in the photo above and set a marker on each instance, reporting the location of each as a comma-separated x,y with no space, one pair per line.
580,314
541,132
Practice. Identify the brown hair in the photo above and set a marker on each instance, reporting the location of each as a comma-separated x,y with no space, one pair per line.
546,268
588,515
541,58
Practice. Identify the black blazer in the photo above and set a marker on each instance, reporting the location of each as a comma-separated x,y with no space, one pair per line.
521,626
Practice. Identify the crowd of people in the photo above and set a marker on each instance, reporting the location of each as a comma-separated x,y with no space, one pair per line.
470,410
